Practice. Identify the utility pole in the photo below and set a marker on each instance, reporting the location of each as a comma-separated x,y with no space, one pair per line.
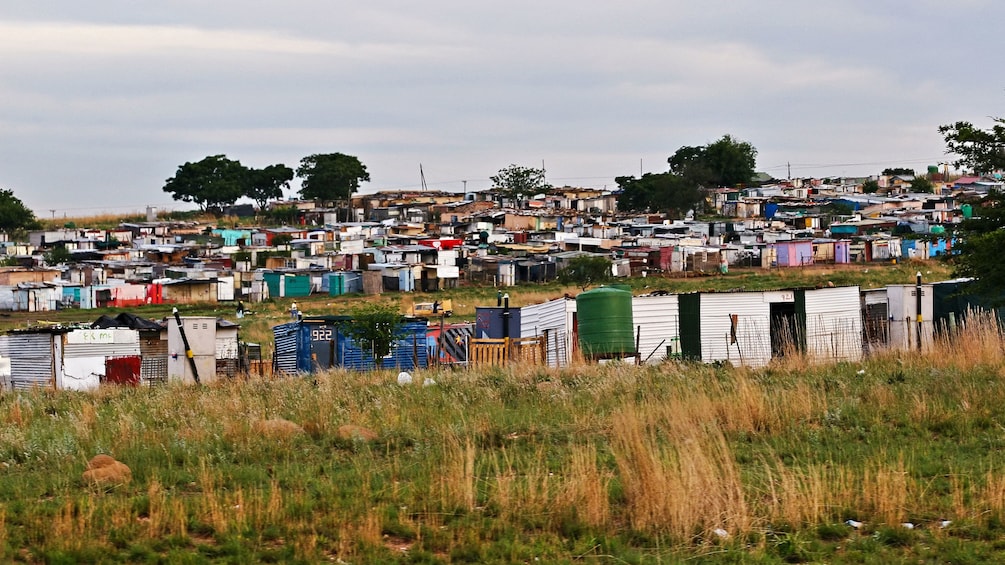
789,168
917,305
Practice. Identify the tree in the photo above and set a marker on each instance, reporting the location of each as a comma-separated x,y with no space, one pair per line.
331,177
375,327
659,192
516,182
725,162
898,171
265,184
922,184
981,238
59,254
979,247
870,187
982,150
212,183
585,270
15,217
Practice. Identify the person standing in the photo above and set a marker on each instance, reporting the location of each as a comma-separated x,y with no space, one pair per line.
294,311
240,309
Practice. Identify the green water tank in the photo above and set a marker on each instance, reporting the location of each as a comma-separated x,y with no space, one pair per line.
605,323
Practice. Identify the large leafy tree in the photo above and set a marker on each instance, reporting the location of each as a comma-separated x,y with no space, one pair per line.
659,192
15,217
375,327
979,247
725,162
330,177
516,182
922,184
586,270
213,183
981,150
982,238
268,183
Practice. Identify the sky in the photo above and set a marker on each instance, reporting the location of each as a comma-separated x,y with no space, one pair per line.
101,102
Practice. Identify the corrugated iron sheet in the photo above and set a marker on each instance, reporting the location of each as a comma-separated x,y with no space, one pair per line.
153,369
31,360
656,324
752,346
834,323
551,321
284,359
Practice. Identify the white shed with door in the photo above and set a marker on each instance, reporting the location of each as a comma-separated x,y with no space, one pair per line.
201,334
656,326
735,326
902,303
552,320
86,352
833,323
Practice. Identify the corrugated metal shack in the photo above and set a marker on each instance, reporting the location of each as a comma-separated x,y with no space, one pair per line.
152,341
66,358
750,328
318,343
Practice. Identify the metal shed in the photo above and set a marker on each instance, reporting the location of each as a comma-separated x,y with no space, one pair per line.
832,322
656,326
902,301
35,358
733,326
750,328
91,356
552,320
320,343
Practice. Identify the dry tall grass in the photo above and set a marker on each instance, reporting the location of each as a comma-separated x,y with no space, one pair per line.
674,451
679,475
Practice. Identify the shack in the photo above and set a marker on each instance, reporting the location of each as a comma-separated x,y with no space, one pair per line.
319,343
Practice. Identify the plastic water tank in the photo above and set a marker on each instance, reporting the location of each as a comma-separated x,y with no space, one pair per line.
606,328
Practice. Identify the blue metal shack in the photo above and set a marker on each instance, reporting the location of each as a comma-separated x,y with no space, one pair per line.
320,343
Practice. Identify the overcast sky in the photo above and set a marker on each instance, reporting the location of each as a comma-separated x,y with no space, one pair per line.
100,102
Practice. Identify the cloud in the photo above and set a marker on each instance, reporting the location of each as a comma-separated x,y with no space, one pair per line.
82,39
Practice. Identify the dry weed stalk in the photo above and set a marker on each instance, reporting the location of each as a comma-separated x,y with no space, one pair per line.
72,524
679,479
457,477
585,487
885,491
976,341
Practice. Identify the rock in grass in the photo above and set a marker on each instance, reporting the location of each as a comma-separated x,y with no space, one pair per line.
356,433
277,428
105,471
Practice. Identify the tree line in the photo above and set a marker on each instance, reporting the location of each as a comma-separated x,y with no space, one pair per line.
692,170
216,182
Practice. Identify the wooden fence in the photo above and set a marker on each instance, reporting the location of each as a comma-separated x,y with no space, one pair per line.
498,352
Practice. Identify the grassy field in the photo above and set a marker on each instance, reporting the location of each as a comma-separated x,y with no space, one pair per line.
591,463
611,463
